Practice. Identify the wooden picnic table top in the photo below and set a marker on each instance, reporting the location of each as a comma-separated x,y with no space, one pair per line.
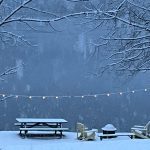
41,120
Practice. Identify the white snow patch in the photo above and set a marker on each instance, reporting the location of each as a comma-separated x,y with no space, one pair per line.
109,127
28,88
10,140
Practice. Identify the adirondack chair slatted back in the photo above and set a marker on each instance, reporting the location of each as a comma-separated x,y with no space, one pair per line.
147,127
83,133
80,129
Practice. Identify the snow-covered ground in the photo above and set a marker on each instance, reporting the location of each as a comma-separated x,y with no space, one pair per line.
10,140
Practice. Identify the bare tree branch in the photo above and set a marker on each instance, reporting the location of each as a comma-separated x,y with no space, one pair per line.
14,11
127,30
41,11
16,37
1,1
9,71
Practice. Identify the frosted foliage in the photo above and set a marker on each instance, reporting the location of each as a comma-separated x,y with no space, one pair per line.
19,69
120,24
69,5
80,45
128,29
28,87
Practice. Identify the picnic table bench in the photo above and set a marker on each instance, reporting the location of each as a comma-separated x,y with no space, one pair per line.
39,124
101,135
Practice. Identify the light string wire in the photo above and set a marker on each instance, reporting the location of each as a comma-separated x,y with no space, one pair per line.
5,96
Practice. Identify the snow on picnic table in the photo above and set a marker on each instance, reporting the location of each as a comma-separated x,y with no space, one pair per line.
10,140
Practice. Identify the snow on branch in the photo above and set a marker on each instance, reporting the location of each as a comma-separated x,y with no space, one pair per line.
14,11
6,36
10,71
1,1
127,38
139,6
41,11
128,50
128,22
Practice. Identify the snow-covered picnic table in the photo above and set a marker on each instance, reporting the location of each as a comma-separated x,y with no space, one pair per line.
40,124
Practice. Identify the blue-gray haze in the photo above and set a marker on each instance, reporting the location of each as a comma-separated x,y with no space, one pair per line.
58,64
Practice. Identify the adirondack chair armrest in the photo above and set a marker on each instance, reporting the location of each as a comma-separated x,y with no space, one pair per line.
139,129
138,126
86,128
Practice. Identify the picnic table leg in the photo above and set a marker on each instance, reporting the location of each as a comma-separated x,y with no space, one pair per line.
25,133
61,134
20,133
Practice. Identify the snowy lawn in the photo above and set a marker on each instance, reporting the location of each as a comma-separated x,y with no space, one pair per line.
10,140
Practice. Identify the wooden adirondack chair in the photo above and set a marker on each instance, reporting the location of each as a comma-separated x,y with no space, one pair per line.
142,131
83,133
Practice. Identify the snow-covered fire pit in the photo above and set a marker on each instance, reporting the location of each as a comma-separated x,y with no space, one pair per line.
109,129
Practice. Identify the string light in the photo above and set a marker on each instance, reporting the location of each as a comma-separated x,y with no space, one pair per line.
108,94
95,95
145,90
43,97
74,96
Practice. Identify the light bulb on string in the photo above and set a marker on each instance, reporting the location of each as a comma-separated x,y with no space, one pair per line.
5,96
44,97
95,96
108,94
120,93
145,90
